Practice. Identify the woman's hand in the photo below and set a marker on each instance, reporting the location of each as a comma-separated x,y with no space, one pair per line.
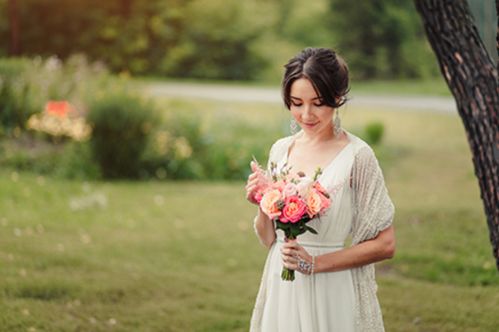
295,257
256,181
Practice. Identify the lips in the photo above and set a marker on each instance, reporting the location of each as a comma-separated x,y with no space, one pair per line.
310,124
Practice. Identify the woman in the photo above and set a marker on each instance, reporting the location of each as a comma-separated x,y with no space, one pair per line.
334,289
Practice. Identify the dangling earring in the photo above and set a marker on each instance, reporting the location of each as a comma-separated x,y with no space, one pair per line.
337,124
293,126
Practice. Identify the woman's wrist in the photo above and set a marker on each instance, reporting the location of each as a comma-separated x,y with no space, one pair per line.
318,261
262,214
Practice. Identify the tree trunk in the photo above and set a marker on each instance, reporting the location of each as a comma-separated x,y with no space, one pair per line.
14,48
497,33
125,8
472,79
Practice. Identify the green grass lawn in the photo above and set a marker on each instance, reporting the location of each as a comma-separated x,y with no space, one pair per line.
182,256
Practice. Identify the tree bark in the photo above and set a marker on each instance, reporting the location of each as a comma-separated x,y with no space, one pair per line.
497,33
126,8
14,46
472,78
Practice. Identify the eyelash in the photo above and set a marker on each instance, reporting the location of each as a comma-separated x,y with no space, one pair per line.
316,105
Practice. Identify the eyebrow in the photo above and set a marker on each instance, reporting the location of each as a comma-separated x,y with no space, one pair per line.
300,98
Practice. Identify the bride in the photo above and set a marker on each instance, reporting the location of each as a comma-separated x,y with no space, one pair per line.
336,289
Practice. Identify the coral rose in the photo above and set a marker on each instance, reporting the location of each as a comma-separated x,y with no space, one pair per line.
314,203
268,203
325,198
326,201
294,209
320,188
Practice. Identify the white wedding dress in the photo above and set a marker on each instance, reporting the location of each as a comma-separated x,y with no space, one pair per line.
332,301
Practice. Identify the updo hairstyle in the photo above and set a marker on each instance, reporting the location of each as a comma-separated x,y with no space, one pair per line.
326,70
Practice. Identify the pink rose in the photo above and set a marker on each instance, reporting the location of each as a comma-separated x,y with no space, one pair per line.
258,197
314,203
268,203
260,192
263,184
294,209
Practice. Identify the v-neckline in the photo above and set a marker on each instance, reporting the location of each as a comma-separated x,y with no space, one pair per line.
329,164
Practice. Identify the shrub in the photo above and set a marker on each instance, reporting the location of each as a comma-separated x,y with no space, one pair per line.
374,132
18,97
26,85
121,124
185,148
176,148
28,154
76,162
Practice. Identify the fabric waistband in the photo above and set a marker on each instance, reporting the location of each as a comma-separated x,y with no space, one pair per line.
317,244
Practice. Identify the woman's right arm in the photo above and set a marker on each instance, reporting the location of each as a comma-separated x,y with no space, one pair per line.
264,228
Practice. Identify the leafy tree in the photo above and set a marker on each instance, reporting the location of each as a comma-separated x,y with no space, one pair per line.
380,38
217,42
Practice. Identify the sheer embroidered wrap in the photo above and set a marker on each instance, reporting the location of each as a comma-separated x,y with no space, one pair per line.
374,212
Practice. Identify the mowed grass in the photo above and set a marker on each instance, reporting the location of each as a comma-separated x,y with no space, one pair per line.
182,256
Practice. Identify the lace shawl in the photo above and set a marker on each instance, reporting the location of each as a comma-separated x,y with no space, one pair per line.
373,213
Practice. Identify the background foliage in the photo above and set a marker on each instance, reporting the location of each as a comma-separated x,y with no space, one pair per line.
227,39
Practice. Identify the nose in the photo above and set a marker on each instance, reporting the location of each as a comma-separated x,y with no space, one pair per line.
307,111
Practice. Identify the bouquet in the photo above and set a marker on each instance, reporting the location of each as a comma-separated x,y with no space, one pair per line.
291,202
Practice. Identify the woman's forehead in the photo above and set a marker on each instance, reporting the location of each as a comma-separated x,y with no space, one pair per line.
302,88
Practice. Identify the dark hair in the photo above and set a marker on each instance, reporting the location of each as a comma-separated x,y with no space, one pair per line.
326,70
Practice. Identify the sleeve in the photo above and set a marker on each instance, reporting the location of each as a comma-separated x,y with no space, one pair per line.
373,208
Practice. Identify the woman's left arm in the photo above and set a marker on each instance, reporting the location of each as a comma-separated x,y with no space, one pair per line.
380,248
373,235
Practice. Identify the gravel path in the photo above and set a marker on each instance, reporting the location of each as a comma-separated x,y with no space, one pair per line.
226,92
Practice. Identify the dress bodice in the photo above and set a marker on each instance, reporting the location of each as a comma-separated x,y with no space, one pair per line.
335,225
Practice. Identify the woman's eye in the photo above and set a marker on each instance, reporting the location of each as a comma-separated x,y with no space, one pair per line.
319,104
295,104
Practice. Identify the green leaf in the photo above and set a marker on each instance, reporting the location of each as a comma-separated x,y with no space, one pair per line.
311,230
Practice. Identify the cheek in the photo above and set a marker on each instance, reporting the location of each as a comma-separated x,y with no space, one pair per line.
325,114
295,113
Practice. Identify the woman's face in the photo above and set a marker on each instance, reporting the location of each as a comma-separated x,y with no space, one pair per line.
308,109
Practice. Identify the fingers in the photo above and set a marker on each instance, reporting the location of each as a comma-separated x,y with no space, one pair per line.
290,261
252,176
255,178
254,166
250,188
289,255
292,253
291,244
255,181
